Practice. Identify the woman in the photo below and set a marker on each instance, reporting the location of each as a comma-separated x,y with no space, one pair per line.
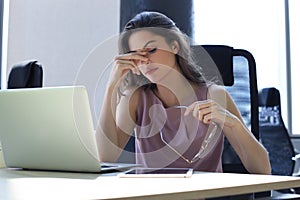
157,92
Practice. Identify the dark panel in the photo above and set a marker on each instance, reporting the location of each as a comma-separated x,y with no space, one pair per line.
181,12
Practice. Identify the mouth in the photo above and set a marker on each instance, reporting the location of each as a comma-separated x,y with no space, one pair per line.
150,71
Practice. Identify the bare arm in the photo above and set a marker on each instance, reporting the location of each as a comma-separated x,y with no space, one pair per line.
116,121
252,154
106,133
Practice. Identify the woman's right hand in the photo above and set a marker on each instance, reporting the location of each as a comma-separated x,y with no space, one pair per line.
124,63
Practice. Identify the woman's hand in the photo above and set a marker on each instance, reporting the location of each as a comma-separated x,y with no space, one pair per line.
124,63
209,110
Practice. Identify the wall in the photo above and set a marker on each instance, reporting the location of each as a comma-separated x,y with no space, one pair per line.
74,40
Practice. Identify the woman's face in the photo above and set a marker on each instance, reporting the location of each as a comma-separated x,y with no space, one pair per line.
161,56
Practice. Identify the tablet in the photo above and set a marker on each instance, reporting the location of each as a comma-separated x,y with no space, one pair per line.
157,172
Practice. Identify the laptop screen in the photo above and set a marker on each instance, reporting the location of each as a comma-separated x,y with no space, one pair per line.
48,128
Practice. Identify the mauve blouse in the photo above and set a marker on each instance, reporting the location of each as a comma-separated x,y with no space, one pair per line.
185,134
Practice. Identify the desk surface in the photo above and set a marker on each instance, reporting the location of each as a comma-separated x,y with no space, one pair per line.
19,184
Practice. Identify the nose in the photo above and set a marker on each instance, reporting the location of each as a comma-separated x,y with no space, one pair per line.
142,65
143,62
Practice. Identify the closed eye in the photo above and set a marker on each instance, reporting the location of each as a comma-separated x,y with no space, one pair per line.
151,51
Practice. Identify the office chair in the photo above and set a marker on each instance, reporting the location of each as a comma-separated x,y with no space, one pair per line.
26,74
273,133
275,137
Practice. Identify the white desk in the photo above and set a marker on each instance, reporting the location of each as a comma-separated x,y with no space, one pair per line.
18,184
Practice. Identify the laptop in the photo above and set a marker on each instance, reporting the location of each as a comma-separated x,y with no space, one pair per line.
50,128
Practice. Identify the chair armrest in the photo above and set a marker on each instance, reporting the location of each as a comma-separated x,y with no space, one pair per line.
297,155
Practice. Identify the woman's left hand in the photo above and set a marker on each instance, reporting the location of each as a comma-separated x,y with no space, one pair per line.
209,110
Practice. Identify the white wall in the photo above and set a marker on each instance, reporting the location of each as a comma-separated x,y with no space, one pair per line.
74,40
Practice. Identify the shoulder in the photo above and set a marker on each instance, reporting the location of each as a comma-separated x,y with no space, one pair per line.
219,94
131,95
134,96
129,99
216,91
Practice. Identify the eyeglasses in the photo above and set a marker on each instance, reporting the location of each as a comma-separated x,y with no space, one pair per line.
210,137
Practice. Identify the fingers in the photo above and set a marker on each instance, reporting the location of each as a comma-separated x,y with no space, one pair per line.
209,111
194,107
202,110
129,61
132,56
126,65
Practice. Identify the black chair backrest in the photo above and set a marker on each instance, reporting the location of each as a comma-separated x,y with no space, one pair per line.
269,97
216,62
274,134
26,74
236,70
